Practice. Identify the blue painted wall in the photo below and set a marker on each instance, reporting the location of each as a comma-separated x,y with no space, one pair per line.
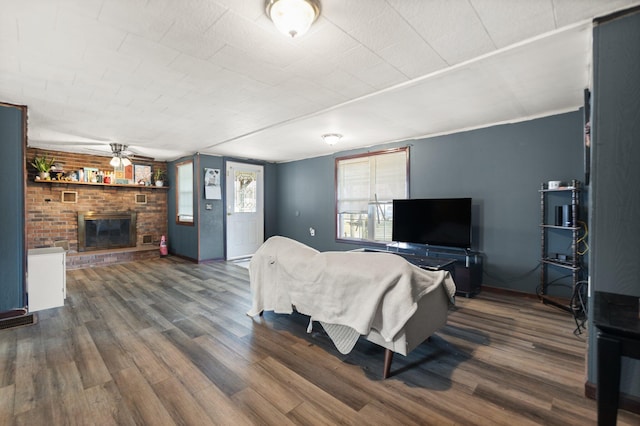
206,239
183,239
615,204
211,235
271,191
500,167
12,247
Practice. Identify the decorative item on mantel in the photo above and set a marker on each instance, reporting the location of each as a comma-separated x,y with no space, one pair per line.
43,166
158,177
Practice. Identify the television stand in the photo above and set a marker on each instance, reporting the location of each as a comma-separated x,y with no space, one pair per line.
465,266
427,262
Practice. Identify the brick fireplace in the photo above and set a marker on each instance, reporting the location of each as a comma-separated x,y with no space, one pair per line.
51,220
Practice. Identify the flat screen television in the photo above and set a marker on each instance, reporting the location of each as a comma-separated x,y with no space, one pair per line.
442,222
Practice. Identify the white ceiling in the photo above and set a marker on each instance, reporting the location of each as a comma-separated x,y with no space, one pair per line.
171,78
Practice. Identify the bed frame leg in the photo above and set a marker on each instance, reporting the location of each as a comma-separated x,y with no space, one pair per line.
388,357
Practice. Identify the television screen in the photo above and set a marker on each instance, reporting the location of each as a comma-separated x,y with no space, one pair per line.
435,221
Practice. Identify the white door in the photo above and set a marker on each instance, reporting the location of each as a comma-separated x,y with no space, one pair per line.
245,209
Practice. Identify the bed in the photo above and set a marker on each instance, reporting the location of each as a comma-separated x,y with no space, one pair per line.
377,295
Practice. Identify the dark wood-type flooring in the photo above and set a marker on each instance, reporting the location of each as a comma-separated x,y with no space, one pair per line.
167,342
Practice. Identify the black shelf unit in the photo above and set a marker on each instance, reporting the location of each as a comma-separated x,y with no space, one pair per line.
566,222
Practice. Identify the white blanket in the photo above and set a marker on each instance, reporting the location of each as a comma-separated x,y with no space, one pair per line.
361,290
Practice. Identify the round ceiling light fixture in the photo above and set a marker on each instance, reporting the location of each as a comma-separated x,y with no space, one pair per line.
331,138
293,17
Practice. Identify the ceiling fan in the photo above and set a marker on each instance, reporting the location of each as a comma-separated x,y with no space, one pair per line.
121,156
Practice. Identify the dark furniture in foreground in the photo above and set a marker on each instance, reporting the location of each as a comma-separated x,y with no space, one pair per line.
617,318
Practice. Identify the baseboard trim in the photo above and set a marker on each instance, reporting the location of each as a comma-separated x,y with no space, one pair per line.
509,292
627,402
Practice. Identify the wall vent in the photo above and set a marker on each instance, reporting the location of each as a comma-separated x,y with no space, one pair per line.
69,197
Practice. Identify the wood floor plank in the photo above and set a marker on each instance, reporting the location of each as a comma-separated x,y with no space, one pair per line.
149,314
30,359
325,404
166,341
310,414
391,417
181,405
217,372
7,394
8,347
138,395
230,340
144,358
107,406
65,379
70,405
174,359
57,341
220,408
258,409
112,354
92,369
322,376
280,395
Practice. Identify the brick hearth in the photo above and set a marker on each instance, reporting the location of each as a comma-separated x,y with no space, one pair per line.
49,221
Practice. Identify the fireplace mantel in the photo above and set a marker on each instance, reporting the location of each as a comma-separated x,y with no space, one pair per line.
108,185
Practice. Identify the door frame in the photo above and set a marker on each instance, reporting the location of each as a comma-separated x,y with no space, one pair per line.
226,199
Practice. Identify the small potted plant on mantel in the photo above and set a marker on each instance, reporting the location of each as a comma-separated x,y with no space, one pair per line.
42,165
158,177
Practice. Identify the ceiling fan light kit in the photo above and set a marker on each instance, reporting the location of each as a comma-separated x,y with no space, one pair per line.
119,159
293,17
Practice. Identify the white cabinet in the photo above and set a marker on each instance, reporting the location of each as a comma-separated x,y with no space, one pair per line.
46,278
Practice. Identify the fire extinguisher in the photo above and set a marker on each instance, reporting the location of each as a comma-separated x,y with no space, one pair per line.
163,246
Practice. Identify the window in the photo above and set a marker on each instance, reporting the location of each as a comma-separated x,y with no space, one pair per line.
184,193
245,194
366,186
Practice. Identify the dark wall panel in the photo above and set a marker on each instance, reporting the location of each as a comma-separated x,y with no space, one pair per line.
615,204
12,263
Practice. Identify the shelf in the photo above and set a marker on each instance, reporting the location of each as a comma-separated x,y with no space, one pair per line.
561,264
116,185
568,228
550,201
564,188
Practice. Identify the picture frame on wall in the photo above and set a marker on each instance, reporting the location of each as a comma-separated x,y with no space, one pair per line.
142,174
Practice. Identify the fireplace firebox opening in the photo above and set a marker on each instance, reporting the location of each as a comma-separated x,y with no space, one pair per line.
100,231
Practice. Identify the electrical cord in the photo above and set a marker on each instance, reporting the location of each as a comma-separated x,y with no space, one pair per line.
579,307
583,239
577,303
553,284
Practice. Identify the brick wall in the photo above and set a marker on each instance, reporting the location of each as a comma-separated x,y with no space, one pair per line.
49,220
